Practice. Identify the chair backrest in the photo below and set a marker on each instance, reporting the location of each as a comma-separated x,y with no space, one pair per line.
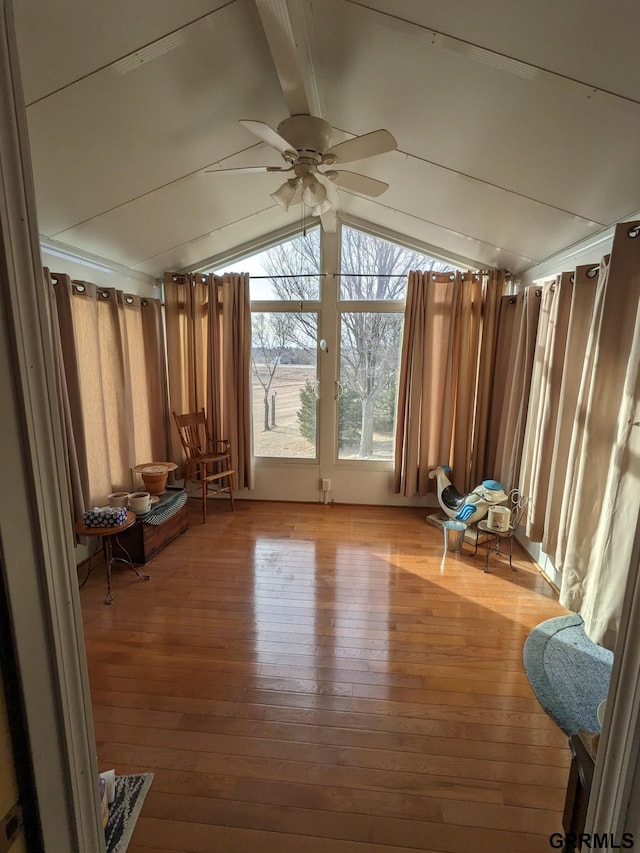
194,433
519,504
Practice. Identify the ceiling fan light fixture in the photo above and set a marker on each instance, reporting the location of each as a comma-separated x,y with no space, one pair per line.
324,207
284,194
313,192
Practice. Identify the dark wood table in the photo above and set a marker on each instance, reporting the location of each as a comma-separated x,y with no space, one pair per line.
144,539
106,534
583,747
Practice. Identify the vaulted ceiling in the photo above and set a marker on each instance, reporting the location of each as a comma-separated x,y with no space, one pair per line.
517,124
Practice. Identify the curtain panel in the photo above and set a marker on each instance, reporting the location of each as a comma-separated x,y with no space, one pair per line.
604,455
516,345
559,505
111,385
489,367
580,459
208,322
444,390
549,366
68,392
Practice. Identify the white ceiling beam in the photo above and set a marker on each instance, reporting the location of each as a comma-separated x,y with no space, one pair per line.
288,26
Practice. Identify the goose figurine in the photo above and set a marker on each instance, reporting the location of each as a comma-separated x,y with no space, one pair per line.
468,508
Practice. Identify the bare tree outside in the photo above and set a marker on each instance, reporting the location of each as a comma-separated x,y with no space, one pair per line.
283,356
271,336
294,267
373,269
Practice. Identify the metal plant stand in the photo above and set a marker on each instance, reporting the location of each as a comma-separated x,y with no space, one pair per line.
106,534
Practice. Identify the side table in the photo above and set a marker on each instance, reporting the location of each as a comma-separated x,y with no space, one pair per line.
106,534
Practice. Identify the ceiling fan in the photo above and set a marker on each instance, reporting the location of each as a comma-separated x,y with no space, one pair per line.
304,142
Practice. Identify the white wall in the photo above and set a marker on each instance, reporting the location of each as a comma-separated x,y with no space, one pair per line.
84,267
367,484
585,252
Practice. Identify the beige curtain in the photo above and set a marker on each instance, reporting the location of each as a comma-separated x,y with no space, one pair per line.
444,383
517,339
507,313
560,499
146,360
186,300
542,417
208,321
488,365
229,365
68,391
605,447
112,358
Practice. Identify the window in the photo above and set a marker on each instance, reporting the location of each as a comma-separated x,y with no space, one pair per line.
287,271
284,345
284,383
373,284
366,310
369,356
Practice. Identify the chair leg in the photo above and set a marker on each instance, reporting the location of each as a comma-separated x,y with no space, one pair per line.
231,492
204,498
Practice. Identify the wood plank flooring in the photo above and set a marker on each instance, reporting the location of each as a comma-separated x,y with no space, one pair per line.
318,679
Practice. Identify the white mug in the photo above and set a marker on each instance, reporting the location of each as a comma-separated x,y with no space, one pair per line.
139,501
118,499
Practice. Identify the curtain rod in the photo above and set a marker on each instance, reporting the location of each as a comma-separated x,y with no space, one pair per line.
337,275
332,275
357,275
319,275
105,292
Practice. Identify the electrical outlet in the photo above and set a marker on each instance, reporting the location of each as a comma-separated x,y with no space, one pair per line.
326,485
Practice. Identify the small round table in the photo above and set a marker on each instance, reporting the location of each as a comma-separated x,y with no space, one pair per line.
492,544
105,533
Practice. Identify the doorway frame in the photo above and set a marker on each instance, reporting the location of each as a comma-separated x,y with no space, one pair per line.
40,573
40,569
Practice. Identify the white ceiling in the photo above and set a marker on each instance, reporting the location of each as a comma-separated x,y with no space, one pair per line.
518,124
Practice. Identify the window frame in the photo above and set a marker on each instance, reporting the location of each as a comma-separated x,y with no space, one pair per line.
276,307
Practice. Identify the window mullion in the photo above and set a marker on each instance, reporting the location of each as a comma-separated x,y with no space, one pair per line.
377,306
280,306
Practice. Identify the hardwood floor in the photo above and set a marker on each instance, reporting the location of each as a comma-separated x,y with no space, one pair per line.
317,679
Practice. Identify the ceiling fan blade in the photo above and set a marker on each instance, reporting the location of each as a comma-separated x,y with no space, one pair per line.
268,134
357,183
249,169
368,145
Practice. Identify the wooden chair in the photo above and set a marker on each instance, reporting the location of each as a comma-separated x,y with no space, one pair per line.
208,460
